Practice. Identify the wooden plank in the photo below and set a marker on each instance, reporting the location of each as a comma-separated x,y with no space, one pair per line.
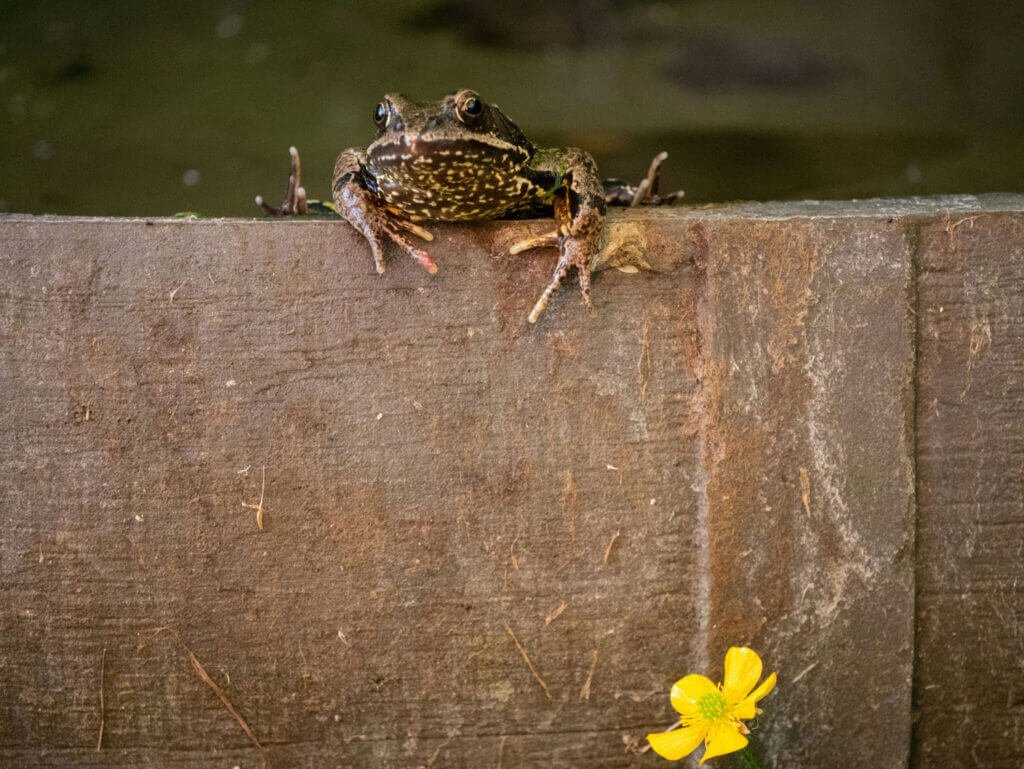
807,366
436,471
438,474
969,686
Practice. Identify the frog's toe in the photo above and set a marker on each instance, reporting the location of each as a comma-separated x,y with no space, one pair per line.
422,258
377,249
547,240
415,229
584,274
556,280
294,202
620,193
418,255
576,253
647,193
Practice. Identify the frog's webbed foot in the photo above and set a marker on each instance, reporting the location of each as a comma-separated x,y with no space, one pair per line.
294,202
376,225
619,193
577,240
355,202
572,253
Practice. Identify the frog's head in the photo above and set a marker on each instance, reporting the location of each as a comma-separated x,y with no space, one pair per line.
440,143
460,150
459,117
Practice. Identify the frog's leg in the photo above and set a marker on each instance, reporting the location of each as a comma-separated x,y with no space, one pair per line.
579,216
359,205
619,193
294,202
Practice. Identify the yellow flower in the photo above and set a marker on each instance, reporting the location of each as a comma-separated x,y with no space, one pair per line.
713,714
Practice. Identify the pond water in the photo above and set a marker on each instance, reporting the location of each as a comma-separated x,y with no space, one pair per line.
152,108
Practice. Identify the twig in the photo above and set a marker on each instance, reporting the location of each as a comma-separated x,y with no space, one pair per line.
501,749
259,506
201,672
103,670
805,490
611,544
643,364
555,614
529,664
512,553
435,754
804,672
170,296
585,691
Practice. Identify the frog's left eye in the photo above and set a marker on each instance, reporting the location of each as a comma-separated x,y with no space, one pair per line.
380,115
470,108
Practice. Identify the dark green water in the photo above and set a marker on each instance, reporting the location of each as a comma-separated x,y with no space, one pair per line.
152,108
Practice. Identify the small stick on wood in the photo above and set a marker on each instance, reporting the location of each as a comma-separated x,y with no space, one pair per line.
529,664
805,490
103,670
501,750
201,672
170,296
804,672
435,754
643,364
555,614
611,544
258,507
585,691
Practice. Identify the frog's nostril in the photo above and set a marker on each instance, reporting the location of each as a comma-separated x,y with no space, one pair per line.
432,124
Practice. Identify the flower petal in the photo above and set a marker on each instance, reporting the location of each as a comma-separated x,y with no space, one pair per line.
723,737
746,708
686,693
678,743
764,689
742,671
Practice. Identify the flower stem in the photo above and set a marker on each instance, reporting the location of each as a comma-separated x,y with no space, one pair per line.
749,761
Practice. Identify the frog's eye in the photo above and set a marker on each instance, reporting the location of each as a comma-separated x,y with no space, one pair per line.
470,108
380,115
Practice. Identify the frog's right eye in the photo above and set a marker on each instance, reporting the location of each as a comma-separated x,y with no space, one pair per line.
380,115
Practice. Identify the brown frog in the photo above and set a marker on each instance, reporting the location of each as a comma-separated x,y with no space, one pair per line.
462,159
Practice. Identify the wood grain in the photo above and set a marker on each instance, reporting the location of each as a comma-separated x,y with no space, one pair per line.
437,471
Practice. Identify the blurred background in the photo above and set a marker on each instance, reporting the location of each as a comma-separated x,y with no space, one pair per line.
152,108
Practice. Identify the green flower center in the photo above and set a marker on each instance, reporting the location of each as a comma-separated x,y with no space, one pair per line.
712,706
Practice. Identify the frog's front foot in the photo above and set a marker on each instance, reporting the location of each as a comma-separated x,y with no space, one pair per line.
378,225
572,253
294,202
359,205
574,250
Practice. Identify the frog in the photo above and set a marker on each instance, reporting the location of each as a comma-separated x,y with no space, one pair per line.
462,159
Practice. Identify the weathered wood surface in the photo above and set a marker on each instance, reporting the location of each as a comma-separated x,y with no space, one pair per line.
969,683
724,455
